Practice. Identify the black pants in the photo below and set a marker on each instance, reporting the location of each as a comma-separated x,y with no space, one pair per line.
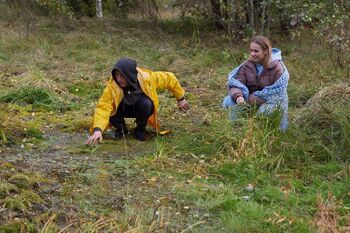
142,110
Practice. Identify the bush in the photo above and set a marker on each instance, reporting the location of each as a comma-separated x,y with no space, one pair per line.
36,96
82,7
327,114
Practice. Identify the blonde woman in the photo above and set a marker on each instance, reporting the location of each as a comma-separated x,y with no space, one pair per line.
262,80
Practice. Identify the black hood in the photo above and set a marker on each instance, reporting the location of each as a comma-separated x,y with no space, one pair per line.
127,67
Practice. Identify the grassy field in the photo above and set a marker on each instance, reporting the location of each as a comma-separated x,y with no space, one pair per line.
207,175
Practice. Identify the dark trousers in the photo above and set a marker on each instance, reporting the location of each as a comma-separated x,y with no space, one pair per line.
142,110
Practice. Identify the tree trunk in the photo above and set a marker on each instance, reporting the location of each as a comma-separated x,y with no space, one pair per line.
225,11
268,20
251,16
233,25
153,12
99,13
215,6
263,18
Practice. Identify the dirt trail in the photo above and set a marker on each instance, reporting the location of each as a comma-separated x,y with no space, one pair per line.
63,152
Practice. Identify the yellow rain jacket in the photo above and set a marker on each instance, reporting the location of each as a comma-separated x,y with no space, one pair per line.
150,82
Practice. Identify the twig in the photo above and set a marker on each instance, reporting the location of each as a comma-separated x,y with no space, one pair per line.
3,208
61,231
113,229
193,225
48,224
155,213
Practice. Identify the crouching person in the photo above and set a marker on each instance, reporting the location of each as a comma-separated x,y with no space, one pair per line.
131,92
262,80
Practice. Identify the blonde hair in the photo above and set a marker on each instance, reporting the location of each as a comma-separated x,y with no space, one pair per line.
265,44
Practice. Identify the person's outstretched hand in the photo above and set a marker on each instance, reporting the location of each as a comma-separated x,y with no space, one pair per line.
240,100
183,105
95,138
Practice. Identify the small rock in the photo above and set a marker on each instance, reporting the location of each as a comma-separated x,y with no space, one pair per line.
249,187
56,147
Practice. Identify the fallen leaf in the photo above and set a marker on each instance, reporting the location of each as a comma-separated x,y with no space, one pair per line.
164,201
165,132
280,220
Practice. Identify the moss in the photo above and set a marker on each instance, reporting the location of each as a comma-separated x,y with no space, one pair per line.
80,150
33,133
17,225
22,201
7,188
86,89
79,125
14,203
22,181
7,166
10,126
30,197
11,228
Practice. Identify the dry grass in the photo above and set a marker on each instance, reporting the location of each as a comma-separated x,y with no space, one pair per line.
337,93
326,116
320,107
327,218
36,78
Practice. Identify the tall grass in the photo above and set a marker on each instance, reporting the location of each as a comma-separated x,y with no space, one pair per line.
37,90
326,116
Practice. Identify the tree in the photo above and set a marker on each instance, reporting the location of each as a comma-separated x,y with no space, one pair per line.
219,11
99,13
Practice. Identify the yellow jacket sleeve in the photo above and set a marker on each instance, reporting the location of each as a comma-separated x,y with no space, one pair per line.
103,110
168,81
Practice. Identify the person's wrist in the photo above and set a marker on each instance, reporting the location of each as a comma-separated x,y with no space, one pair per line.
237,96
181,99
97,130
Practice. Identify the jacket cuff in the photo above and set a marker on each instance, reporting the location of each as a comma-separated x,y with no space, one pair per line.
97,129
183,97
234,92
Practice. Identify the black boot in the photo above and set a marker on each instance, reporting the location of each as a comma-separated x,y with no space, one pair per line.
139,133
121,131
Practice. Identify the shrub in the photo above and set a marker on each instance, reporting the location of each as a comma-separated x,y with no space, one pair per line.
327,114
35,96
35,89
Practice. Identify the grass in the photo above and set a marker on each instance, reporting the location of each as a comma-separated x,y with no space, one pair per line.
194,179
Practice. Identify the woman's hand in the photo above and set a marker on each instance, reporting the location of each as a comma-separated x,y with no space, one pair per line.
240,100
254,100
183,105
95,138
